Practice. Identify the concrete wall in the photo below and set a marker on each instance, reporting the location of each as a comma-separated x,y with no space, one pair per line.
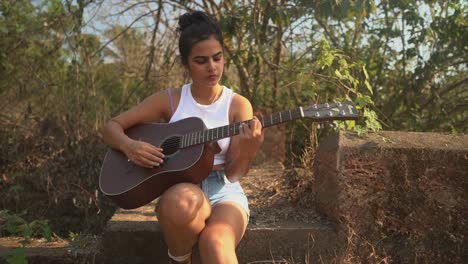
397,195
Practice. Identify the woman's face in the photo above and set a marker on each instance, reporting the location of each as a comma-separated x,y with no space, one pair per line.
206,62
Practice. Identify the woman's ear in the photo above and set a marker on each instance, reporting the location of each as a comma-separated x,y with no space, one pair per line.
186,72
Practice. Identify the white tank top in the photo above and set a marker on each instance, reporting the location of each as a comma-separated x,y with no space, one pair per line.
213,115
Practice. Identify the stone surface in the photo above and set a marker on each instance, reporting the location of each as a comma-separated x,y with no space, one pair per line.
405,192
134,236
40,251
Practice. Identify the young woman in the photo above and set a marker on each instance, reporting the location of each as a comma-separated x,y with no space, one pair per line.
214,213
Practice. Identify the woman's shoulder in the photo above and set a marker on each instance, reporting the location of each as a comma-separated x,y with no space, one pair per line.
240,101
160,101
240,109
166,95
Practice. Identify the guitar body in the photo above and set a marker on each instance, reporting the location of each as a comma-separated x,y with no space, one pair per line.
131,186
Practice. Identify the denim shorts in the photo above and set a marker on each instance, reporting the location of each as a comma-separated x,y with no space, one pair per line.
218,188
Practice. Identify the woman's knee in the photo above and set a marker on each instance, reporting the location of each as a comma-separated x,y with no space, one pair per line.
180,204
215,240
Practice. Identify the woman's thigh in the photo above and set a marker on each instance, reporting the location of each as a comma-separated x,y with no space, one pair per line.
228,220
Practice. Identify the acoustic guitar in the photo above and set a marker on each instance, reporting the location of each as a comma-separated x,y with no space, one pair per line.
189,149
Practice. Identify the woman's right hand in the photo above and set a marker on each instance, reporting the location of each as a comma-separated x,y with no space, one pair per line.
143,154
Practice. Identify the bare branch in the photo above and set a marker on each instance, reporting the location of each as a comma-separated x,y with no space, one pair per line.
122,32
153,40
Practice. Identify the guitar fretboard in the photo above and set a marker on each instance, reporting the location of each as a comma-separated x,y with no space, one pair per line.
208,135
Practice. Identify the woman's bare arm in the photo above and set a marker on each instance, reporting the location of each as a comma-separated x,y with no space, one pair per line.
243,147
153,108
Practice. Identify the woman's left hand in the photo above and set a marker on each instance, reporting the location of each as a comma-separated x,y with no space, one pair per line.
251,137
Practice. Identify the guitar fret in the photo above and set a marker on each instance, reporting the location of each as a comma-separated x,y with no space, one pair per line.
198,137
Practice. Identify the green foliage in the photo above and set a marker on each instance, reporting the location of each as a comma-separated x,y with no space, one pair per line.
17,256
78,240
15,225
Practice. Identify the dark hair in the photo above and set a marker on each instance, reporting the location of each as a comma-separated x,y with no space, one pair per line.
194,27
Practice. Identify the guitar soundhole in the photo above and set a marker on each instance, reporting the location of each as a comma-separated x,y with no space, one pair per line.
171,145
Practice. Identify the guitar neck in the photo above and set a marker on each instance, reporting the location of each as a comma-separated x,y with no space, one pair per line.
208,135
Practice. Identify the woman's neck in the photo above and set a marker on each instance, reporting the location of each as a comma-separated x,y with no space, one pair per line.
206,95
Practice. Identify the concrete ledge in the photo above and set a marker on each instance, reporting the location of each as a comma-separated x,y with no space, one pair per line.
54,252
134,236
405,192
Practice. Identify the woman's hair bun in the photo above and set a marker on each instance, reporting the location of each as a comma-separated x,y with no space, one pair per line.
194,27
188,19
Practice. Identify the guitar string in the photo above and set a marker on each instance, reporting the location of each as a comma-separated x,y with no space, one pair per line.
175,142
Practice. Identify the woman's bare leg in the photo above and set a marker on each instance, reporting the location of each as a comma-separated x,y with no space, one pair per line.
182,211
222,233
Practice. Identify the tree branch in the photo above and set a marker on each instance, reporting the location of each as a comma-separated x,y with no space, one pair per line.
122,32
153,40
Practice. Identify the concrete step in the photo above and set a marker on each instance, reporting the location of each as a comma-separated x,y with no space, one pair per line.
134,236
57,251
